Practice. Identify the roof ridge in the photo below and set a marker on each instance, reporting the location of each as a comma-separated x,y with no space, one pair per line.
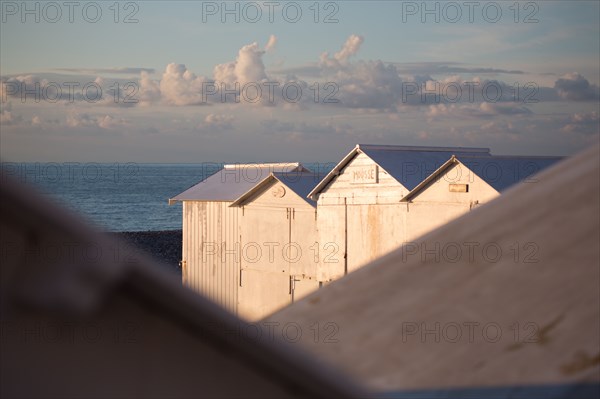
518,156
384,147
261,165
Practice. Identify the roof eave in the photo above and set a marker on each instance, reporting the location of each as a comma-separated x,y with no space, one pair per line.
429,178
242,198
333,173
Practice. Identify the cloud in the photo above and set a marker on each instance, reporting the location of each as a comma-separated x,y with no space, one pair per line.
95,90
107,122
350,48
6,115
179,86
442,68
149,92
583,123
502,109
480,110
575,87
217,122
248,67
80,120
107,71
364,84
271,43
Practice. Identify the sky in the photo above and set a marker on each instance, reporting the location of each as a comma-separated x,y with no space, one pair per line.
202,81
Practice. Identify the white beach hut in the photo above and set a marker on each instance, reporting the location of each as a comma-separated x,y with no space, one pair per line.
211,251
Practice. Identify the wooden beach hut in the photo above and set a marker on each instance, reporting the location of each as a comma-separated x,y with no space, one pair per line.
211,256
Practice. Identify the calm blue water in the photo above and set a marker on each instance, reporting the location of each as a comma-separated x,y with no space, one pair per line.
119,196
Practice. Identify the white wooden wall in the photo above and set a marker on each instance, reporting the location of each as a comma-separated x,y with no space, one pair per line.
211,251
278,265
435,205
359,215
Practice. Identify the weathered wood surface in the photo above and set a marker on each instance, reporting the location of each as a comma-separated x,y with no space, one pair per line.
507,295
211,241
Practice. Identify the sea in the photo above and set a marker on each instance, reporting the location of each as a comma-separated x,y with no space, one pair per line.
119,197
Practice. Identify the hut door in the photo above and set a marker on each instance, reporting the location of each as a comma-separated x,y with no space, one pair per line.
264,277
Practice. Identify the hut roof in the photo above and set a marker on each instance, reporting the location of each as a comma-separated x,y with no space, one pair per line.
299,182
499,171
408,165
233,180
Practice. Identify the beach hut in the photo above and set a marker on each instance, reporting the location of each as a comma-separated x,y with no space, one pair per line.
380,197
211,250
463,183
360,215
509,308
278,243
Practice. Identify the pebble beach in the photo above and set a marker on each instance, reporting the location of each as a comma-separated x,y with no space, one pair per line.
163,246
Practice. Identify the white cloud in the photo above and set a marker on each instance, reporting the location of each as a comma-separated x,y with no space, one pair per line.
271,43
6,115
107,122
149,92
179,86
217,122
248,67
583,123
350,48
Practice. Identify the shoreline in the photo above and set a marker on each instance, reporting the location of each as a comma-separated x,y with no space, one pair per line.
164,246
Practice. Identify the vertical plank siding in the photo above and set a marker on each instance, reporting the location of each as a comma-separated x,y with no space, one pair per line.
211,251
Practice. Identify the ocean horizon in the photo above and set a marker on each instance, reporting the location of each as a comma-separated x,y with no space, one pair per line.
121,197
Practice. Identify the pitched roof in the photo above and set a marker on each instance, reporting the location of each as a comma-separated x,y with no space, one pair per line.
406,164
503,171
499,171
299,182
233,180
